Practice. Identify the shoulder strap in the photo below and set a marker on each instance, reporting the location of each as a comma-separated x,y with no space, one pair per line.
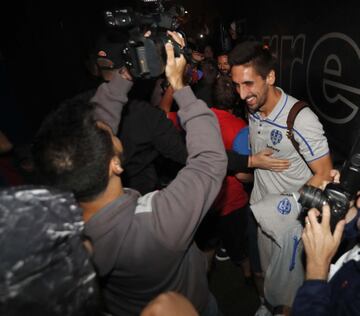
294,111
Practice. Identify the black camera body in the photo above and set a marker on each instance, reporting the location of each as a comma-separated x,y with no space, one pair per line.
337,195
145,57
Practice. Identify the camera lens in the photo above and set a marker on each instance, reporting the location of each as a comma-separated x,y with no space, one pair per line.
311,197
350,175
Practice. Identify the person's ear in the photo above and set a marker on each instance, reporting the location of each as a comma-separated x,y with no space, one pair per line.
270,78
115,166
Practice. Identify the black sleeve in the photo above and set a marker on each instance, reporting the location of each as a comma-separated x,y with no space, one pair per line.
166,138
237,163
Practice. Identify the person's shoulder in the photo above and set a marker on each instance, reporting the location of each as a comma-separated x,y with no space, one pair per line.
144,108
305,115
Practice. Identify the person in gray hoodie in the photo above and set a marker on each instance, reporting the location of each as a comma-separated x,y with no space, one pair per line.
141,245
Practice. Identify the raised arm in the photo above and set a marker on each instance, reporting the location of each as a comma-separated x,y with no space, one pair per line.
180,207
313,146
111,97
321,170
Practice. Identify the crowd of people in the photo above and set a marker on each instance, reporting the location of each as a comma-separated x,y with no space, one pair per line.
131,198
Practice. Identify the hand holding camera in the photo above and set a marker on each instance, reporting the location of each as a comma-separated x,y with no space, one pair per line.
320,244
175,66
338,195
144,56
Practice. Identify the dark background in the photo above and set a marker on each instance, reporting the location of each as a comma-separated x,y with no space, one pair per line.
44,47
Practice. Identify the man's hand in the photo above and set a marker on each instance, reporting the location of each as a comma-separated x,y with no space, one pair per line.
335,177
175,66
264,160
320,244
107,71
125,73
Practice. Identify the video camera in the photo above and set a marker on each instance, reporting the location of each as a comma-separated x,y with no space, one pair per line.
337,195
145,57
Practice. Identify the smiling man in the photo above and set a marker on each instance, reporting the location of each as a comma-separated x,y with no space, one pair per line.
254,77
253,74
223,63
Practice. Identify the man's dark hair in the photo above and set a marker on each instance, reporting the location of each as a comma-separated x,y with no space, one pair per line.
72,152
254,54
196,46
222,53
224,94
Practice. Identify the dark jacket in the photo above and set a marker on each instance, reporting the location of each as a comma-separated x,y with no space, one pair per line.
146,134
143,246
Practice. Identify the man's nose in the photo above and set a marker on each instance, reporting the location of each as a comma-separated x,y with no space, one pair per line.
243,92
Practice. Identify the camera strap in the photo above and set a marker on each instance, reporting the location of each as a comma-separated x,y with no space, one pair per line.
294,111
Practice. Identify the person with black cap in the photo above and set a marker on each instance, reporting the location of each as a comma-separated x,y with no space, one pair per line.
147,135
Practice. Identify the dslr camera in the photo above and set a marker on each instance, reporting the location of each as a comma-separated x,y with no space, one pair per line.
337,195
145,57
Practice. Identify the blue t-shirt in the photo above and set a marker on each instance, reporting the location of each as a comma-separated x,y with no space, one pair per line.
241,142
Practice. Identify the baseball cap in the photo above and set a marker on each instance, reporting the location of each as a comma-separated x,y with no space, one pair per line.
105,48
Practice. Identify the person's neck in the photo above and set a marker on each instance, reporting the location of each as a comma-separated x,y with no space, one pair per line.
273,98
112,192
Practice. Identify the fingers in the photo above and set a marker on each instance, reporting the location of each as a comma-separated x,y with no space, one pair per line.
170,54
312,218
304,237
266,152
310,229
264,160
174,68
311,222
124,72
325,216
335,175
324,184
307,234
177,37
279,165
339,229
307,222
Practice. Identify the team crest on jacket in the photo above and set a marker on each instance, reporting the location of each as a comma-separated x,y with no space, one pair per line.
276,136
284,206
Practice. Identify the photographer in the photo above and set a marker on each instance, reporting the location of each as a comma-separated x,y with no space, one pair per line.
330,289
142,245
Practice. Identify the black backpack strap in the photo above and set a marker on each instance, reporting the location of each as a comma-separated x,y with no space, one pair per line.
294,111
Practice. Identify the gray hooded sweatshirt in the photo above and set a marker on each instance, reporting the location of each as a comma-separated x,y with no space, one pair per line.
143,245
